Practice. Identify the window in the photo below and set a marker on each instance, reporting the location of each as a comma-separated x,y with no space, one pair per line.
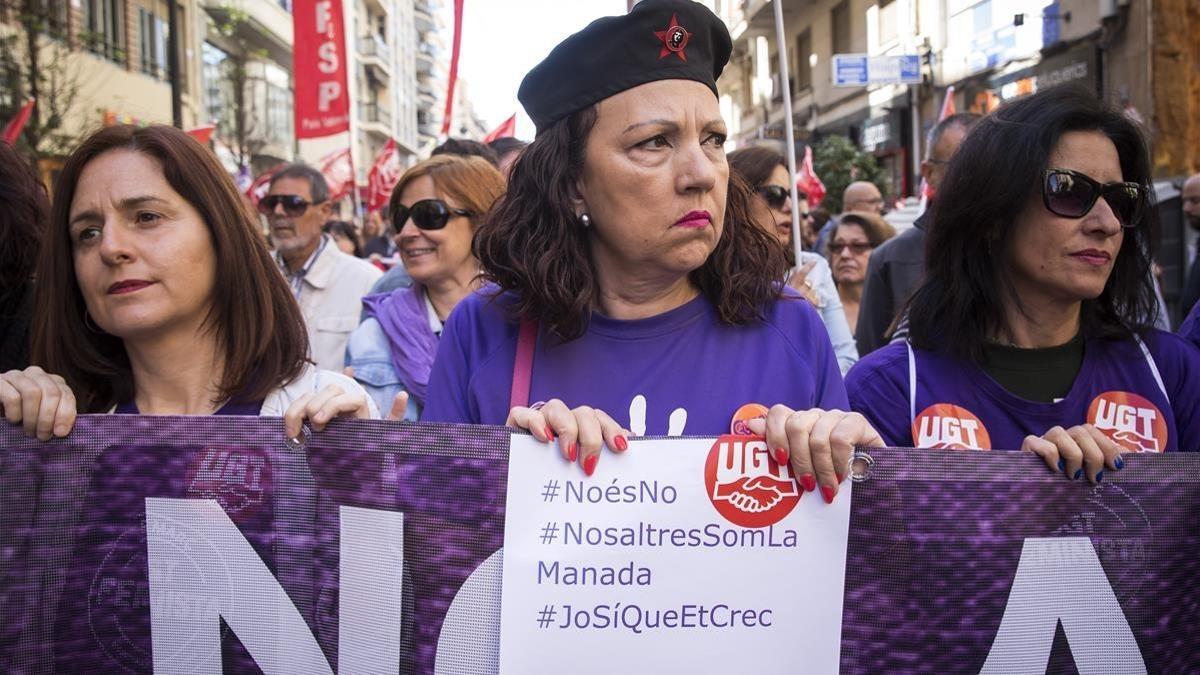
104,28
215,84
889,21
839,17
803,65
152,42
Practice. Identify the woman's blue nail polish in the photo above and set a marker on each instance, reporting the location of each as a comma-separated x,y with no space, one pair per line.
1119,463
1062,466
1100,477
1078,474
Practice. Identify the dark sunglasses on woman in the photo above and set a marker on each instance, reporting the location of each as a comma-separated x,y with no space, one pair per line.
857,248
774,195
1072,194
293,206
427,214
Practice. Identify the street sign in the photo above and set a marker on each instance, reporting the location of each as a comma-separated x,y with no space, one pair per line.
860,70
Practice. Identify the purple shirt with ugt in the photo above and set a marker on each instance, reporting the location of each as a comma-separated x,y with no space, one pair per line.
681,372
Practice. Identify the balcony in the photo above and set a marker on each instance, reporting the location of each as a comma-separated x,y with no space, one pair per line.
376,55
375,119
261,24
427,56
423,19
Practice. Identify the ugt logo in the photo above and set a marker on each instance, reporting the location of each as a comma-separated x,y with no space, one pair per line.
949,427
746,486
1130,420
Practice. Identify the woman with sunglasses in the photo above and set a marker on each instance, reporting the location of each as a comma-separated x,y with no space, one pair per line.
633,291
157,296
1033,327
435,208
766,171
857,234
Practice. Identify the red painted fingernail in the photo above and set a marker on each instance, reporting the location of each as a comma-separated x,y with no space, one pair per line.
808,482
622,444
589,464
827,492
549,432
781,456
572,451
840,477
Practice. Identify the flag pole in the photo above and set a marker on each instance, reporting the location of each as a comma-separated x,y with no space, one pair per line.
790,151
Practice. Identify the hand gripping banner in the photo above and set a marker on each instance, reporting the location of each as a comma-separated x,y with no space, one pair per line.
204,545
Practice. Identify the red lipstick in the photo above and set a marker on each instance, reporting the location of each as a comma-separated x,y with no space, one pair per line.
128,286
695,220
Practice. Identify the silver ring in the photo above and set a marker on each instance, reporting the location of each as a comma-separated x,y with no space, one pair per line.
300,442
808,284
866,459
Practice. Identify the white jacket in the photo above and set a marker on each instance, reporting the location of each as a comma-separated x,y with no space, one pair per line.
331,302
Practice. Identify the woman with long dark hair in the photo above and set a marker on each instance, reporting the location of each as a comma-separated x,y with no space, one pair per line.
633,291
23,210
156,295
766,172
1033,326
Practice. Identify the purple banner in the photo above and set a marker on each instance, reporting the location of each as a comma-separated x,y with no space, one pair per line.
167,545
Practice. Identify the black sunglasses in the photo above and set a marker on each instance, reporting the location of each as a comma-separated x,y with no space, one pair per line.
857,248
293,205
774,195
427,214
1072,194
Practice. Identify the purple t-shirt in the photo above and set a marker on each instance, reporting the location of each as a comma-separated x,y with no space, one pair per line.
1190,328
1144,400
681,372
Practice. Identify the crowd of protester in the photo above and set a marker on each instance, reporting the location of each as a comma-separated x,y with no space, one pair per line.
620,275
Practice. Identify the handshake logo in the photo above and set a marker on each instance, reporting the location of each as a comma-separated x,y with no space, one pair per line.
746,486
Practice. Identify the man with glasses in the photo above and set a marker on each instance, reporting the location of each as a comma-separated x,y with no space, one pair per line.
328,284
897,266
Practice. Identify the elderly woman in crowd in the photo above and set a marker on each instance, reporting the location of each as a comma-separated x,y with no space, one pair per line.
1033,326
345,237
156,296
436,207
766,171
849,249
633,290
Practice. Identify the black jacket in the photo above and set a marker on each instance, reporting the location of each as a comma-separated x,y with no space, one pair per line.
895,269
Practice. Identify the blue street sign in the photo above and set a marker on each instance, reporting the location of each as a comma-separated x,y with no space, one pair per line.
860,70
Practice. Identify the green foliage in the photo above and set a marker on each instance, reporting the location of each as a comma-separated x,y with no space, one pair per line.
839,163
34,63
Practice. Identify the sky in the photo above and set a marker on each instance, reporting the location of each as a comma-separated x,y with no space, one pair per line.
503,39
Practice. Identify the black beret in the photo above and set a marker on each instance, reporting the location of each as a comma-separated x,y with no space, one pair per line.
657,40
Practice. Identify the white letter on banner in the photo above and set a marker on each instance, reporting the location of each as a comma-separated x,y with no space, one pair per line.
202,569
1061,579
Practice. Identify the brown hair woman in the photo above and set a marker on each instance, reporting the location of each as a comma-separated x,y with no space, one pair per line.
156,296
435,209
623,245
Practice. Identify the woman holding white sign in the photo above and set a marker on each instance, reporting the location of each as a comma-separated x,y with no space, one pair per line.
156,295
1033,328
630,281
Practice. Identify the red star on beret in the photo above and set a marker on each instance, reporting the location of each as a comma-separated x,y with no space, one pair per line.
674,39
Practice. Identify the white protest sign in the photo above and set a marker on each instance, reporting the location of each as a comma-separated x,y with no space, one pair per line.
679,555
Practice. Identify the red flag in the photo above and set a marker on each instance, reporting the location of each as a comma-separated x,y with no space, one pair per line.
338,169
383,177
258,189
12,130
507,129
202,134
453,78
808,182
322,98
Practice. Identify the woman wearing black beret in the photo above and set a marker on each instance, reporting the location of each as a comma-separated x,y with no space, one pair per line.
631,291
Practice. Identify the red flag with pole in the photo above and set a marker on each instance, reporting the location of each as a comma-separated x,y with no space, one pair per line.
507,129
12,130
808,182
453,77
383,177
322,98
338,169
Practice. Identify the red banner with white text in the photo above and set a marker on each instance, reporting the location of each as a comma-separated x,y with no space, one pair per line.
383,177
319,62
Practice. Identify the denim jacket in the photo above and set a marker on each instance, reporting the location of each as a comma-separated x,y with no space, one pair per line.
369,354
833,315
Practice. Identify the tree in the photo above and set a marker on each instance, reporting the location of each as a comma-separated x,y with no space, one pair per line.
839,162
240,127
35,63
